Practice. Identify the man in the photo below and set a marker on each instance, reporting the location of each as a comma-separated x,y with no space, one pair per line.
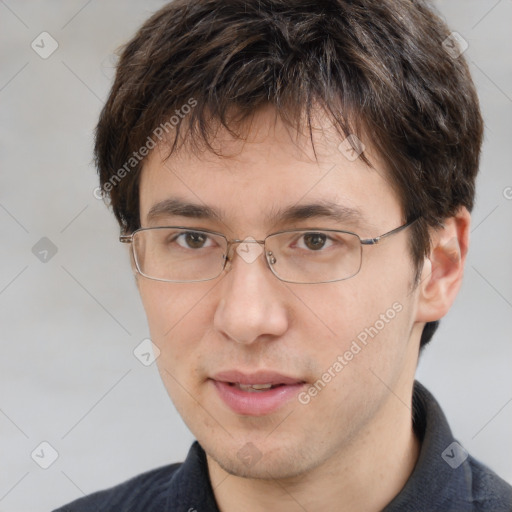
294,181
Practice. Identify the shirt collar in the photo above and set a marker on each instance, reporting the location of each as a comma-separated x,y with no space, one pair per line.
435,482
190,486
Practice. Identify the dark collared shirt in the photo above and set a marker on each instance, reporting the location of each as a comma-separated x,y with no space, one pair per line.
445,479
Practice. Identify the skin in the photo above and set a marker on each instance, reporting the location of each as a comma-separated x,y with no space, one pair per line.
352,447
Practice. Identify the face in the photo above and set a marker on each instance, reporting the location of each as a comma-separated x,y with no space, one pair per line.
337,354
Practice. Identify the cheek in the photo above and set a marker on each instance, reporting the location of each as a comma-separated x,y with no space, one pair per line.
365,347
177,321
176,317
160,307
338,311
366,324
169,304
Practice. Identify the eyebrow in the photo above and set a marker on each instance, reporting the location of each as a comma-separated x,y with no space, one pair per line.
324,208
177,207
321,209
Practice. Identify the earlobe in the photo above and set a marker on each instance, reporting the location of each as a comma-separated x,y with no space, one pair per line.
443,270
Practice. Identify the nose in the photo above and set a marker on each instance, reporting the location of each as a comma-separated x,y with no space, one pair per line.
251,306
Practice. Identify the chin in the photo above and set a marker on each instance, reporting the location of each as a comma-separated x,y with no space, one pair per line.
264,461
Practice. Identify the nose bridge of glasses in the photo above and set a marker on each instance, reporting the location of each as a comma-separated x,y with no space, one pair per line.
246,254
237,241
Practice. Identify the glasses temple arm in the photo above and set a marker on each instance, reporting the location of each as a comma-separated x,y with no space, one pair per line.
376,240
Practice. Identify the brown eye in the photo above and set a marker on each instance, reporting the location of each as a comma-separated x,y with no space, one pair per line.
315,241
192,240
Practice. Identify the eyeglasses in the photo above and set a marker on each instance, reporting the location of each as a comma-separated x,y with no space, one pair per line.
179,254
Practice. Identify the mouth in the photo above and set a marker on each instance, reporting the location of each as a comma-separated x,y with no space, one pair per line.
256,394
254,388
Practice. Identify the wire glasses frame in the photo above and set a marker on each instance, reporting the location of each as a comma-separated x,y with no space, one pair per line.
271,256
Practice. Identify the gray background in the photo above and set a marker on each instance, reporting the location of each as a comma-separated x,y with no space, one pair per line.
69,325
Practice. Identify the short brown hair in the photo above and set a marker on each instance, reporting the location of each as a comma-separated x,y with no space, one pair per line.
378,68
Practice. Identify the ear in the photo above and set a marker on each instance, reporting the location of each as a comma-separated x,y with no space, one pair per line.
442,273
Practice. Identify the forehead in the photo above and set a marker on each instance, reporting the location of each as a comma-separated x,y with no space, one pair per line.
271,175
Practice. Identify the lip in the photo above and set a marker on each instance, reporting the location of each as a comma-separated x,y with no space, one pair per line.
257,403
261,377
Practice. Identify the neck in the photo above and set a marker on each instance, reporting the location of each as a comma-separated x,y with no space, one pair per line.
366,474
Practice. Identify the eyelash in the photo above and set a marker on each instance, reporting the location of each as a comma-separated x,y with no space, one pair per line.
328,239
